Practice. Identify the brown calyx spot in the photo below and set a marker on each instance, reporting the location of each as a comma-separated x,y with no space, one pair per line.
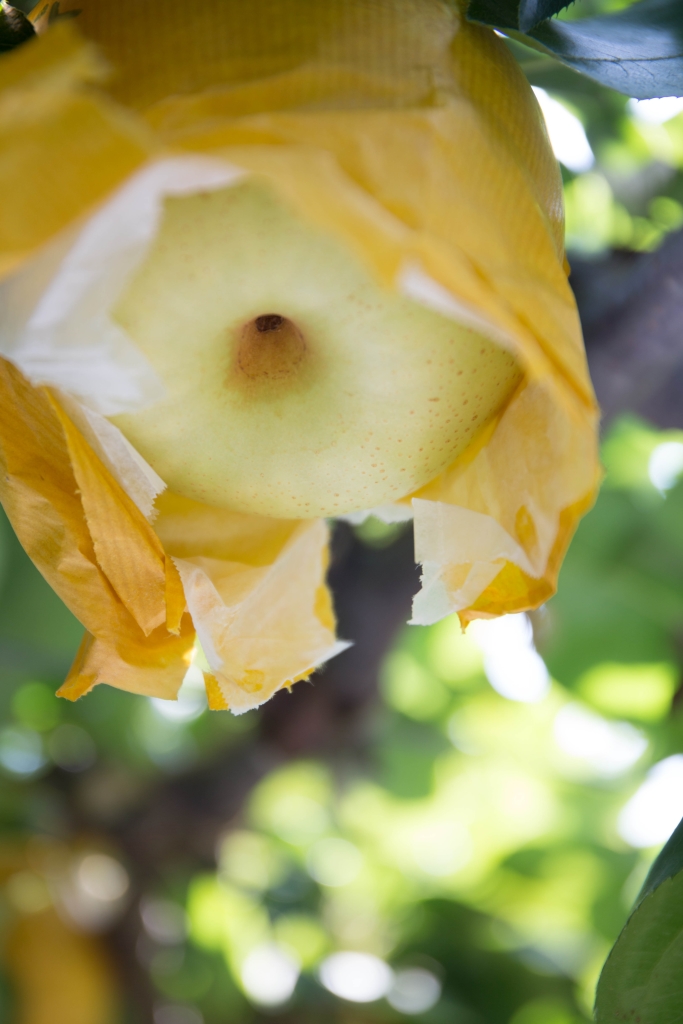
270,347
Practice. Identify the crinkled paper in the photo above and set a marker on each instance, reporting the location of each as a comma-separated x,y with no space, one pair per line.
397,126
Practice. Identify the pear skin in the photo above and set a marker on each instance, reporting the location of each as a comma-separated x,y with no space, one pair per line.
296,384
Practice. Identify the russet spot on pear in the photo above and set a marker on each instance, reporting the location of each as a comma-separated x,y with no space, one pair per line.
296,385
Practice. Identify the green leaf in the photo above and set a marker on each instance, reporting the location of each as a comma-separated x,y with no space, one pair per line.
642,977
668,863
531,12
516,14
637,51
501,13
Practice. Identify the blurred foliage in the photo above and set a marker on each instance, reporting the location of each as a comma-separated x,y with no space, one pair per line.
479,846
632,195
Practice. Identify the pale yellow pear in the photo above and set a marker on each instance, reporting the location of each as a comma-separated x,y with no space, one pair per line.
296,384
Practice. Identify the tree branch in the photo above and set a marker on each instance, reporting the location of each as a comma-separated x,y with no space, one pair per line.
631,308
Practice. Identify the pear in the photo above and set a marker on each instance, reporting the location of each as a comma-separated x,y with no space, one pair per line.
297,385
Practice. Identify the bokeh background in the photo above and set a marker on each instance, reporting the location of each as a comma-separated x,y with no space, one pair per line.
440,827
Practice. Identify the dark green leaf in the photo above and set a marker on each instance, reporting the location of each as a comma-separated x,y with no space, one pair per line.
501,13
642,977
668,863
637,51
531,12
515,14
15,28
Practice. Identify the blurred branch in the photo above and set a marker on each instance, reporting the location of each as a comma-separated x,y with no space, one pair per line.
181,819
186,814
631,307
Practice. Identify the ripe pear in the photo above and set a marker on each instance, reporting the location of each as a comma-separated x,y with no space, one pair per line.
296,384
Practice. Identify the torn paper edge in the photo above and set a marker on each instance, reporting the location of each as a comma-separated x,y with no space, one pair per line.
451,535
239,701
218,624
137,478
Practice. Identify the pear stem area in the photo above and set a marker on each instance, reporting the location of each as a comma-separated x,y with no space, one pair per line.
271,347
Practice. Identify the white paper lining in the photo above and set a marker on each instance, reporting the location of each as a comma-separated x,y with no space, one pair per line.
57,324
416,284
470,538
257,627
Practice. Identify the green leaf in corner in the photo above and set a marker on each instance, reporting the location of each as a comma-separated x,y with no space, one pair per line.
668,863
637,51
531,12
641,979
515,14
